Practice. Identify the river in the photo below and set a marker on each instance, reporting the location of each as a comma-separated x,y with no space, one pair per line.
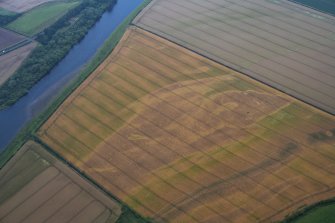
15,117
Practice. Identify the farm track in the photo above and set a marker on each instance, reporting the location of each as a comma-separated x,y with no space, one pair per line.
160,141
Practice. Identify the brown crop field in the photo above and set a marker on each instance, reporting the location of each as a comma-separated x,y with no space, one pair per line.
11,61
9,38
36,187
285,45
20,6
180,138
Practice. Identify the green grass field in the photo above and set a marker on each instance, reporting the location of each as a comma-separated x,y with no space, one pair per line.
324,214
39,18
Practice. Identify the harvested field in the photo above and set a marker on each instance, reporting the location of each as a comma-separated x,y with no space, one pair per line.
280,43
9,38
36,187
180,138
20,6
11,61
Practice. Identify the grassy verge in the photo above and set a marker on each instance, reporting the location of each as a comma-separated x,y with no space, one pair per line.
322,211
28,132
41,17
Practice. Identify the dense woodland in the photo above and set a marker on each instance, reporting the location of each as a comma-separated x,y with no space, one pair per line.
56,41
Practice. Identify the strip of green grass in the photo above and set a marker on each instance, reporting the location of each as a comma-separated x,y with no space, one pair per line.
41,17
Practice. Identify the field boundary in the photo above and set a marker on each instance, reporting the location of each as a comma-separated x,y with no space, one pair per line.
305,210
76,178
253,68
77,173
300,210
139,16
89,180
232,67
15,46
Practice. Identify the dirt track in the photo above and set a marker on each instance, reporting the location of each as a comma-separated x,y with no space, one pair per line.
287,46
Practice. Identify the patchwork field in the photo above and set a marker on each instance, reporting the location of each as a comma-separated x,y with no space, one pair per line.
41,17
35,187
8,38
280,43
180,138
21,6
11,61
